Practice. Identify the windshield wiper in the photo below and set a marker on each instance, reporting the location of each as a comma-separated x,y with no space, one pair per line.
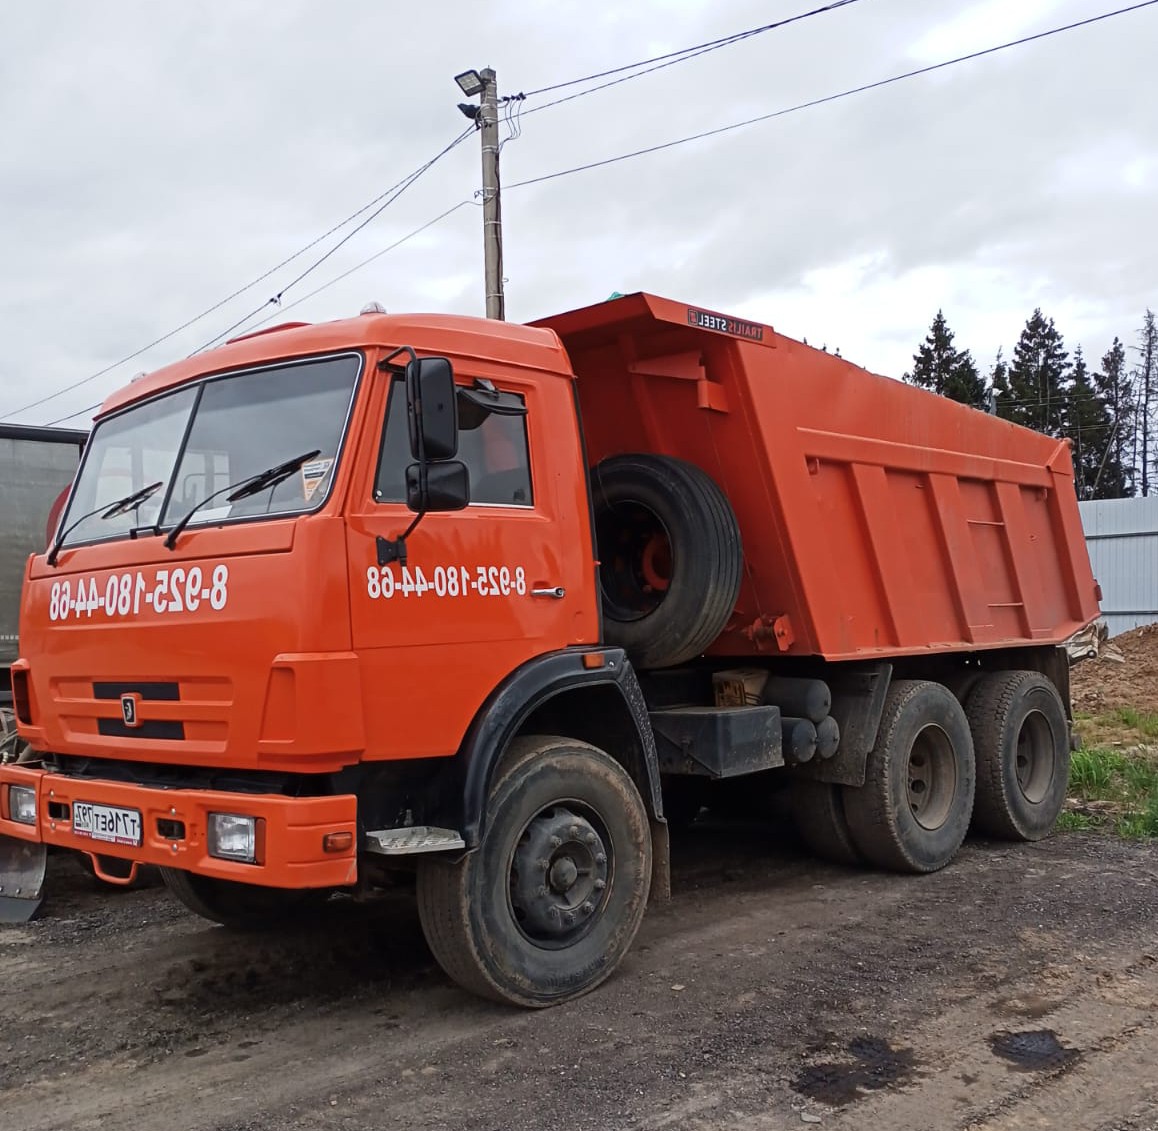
106,510
254,485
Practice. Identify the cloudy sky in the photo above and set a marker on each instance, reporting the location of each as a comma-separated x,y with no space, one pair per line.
157,157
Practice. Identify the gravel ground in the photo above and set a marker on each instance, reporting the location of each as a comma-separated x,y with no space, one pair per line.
1016,989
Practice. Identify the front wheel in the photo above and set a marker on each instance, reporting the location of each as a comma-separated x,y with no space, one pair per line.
549,903
242,907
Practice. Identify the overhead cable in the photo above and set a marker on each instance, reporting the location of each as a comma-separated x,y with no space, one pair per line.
830,98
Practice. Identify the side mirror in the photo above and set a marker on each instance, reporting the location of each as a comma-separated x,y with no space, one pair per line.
432,409
437,487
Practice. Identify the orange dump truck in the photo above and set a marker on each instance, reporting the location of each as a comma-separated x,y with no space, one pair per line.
487,604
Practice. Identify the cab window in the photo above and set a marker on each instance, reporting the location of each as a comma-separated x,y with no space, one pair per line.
494,449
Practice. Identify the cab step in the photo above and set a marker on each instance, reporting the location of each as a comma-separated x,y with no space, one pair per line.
412,840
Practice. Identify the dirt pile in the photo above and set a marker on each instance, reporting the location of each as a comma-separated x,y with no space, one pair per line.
1107,684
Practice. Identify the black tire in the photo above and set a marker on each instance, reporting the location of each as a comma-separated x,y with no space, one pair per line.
913,811
818,811
241,907
1021,737
670,557
499,920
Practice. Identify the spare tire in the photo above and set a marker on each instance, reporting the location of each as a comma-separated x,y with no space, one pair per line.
670,557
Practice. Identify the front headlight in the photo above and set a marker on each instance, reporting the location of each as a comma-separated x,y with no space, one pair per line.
22,804
233,837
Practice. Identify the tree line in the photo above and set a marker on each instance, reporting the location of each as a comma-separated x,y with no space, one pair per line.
1109,413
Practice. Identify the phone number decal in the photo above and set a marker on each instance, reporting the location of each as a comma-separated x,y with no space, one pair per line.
383,583
124,594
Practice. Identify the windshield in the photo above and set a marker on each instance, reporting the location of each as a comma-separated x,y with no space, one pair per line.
242,424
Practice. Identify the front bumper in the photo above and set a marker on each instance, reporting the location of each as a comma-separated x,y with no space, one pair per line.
174,827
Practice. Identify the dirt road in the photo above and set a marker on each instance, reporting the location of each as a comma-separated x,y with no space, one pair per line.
1016,989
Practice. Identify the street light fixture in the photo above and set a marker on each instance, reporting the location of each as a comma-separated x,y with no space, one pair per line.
470,83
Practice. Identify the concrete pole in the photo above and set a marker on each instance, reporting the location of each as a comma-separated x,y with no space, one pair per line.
492,204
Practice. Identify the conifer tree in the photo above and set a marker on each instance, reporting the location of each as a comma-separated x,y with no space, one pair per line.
1115,478
1146,398
1087,424
939,366
1038,376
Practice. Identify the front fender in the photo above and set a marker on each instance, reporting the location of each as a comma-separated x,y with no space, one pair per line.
532,687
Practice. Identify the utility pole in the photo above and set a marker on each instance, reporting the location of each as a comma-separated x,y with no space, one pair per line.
492,202
486,118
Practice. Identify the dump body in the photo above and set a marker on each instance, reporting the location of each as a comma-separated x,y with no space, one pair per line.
877,518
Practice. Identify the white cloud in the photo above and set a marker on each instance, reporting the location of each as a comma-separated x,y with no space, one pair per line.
159,157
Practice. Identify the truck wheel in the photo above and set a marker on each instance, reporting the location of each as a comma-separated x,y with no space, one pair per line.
913,811
548,904
242,907
818,810
670,557
1023,755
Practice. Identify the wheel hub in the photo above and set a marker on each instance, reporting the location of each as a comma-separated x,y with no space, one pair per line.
932,778
637,560
558,875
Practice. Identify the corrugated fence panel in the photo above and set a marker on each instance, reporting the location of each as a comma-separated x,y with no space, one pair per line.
1122,537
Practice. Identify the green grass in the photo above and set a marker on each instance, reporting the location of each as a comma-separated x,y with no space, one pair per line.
1116,728
1140,824
1122,784
1144,722
1094,773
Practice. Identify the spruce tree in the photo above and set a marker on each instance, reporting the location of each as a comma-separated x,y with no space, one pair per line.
1146,394
1115,479
1038,377
999,381
939,366
1087,424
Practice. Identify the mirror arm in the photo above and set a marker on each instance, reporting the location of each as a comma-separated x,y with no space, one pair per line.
394,549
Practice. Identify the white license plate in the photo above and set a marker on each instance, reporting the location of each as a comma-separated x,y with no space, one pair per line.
106,822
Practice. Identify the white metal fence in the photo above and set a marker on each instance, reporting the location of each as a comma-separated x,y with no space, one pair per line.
1122,538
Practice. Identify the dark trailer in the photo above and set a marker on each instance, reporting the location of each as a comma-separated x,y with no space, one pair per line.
37,463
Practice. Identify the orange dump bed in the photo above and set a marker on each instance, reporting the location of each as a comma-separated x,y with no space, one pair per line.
876,518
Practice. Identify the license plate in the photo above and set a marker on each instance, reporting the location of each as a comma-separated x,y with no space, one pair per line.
109,823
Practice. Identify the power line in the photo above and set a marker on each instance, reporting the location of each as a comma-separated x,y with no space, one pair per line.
831,97
402,186
688,52
660,62
679,55
394,189
317,290
365,262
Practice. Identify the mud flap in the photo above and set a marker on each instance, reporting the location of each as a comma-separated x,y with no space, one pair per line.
660,862
22,868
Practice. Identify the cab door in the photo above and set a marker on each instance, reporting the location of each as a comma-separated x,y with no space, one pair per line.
483,589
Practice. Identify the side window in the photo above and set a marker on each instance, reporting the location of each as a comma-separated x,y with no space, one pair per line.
494,450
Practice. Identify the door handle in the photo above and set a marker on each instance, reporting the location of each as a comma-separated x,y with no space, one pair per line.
557,592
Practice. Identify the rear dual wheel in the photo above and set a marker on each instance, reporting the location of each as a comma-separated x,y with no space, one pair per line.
549,903
1021,735
914,809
